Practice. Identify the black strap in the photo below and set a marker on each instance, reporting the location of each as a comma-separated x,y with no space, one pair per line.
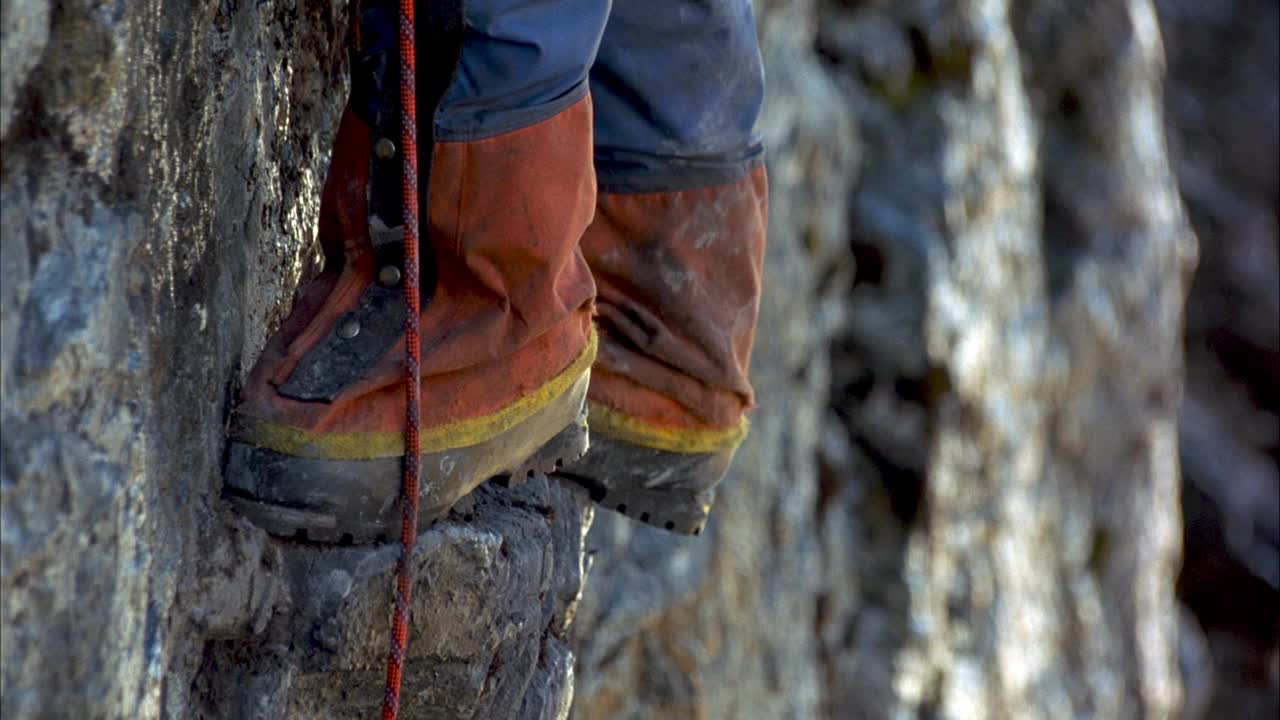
329,367
441,29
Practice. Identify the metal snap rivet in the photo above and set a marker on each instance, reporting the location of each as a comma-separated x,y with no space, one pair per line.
389,275
349,329
384,149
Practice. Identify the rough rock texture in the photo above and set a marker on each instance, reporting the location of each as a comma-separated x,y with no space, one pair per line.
160,187
993,529
493,601
959,498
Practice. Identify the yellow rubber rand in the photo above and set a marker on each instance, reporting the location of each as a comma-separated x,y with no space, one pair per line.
606,421
299,442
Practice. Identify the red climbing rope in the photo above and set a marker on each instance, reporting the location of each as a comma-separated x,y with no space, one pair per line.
412,365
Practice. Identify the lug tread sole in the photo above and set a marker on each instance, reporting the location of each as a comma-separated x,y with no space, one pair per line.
568,446
358,527
677,511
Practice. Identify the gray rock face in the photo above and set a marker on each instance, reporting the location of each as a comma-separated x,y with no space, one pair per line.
160,188
991,529
493,600
1056,271
959,498
722,626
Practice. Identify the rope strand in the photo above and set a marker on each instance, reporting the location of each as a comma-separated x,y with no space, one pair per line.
412,366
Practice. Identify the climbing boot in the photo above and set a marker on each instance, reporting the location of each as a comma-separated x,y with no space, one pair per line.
506,333
678,276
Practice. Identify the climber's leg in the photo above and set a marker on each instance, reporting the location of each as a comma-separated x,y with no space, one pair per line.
676,248
507,339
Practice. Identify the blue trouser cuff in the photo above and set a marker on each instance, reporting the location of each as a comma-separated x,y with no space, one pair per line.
676,85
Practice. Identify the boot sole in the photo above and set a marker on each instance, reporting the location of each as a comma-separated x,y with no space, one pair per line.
668,490
677,511
358,501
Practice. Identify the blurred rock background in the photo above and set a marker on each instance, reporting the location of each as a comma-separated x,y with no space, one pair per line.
1223,113
960,498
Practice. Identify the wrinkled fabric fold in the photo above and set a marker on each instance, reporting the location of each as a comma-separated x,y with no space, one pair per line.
679,279
512,303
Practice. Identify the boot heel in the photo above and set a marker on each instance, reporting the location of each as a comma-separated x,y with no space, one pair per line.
680,511
566,447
